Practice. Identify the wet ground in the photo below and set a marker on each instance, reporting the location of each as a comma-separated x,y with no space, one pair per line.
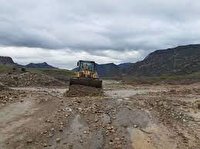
137,117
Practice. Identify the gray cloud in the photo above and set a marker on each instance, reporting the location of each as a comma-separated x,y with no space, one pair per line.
99,26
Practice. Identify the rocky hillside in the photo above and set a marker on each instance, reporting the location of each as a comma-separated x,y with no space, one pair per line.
39,65
124,67
5,60
180,60
108,70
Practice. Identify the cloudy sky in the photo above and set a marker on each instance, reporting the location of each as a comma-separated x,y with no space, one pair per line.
61,32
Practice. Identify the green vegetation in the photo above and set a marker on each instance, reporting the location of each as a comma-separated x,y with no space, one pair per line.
51,72
60,74
23,69
170,79
6,68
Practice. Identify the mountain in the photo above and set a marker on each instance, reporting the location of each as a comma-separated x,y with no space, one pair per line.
124,67
180,60
39,65
108,70
5,60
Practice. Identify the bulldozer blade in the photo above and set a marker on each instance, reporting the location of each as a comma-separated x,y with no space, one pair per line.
86,82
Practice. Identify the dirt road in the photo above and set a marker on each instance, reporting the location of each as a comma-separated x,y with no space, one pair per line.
139,117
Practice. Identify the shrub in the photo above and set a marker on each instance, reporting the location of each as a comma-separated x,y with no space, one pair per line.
23,69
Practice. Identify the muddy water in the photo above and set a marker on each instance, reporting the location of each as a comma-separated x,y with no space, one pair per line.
42,89
11,118
152,137
11,112
147,134
72,135
123,93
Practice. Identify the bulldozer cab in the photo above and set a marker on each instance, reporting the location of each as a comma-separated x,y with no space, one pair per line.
86,66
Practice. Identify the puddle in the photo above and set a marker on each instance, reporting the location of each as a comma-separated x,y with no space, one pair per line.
139,139
9,119
126,118
6,132
152,137
77,125
12,111
72,135
41,89
123,93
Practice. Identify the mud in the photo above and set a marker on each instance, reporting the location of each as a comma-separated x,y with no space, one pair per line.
126,117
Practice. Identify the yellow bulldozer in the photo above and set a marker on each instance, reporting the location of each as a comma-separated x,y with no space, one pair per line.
86,75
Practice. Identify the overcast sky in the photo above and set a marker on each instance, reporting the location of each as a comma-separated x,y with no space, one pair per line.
61,32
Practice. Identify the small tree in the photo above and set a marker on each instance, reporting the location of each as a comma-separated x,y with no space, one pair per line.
14,68
23,69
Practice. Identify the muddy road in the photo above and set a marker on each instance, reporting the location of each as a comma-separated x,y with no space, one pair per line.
126,117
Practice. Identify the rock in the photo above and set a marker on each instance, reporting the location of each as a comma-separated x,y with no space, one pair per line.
45,145
68,109
109,128
117,139
29,141
80,109
58,140
50,135
48,121
111,142
120,100
61,129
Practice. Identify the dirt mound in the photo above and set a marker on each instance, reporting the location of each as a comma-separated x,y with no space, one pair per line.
29,79
81,90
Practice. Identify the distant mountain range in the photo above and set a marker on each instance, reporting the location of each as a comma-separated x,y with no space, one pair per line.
39,65
108,70
180,60
5,60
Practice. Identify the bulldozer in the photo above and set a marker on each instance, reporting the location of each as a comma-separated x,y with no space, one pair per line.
86,75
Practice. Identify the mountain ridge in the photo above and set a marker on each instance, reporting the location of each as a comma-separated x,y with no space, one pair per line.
6,60
179,60
39,65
